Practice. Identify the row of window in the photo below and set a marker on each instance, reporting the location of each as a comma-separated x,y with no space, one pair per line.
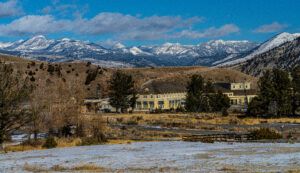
240,86
161,104
163,96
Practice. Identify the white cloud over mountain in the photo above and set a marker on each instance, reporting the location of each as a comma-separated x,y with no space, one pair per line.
271,28
119,26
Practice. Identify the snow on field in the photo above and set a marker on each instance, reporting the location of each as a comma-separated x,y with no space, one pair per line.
154,156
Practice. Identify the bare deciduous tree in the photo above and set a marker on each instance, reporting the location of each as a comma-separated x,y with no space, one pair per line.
14,93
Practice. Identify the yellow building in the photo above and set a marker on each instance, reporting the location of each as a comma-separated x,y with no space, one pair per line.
146,102
240,94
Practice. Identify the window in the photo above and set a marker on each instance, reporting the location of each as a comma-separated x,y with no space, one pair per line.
151,105
138,105
160,104
145,105
144,96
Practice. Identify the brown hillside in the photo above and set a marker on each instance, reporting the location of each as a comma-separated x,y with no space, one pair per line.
163,79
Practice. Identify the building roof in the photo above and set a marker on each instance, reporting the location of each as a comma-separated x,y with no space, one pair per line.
160,87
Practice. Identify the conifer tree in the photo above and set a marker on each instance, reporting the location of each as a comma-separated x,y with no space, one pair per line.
122,92
295,89
275,94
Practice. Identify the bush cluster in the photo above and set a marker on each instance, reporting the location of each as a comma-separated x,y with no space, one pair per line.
50,143
264,133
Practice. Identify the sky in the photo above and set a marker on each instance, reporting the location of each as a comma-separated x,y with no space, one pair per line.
142,22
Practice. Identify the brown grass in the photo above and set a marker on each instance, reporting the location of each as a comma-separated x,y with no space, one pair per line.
184,119
61,142
58,168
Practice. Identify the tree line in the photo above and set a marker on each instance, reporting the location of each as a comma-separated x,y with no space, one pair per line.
279,94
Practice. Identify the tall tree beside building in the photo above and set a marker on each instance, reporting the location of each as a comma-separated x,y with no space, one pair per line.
122,92
219,102
275,94
295,89
14,92
197,100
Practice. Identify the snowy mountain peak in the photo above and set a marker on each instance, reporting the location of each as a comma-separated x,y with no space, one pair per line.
118,46
136,51
65,39
266,46
38,42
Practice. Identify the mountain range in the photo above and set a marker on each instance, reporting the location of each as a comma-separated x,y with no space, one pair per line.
168,54
280,51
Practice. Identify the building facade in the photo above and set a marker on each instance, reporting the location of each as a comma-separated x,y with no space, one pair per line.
165,101
240,94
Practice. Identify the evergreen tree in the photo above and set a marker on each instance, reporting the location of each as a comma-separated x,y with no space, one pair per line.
219,102
197,100
275,94
122,93
296,89
256,107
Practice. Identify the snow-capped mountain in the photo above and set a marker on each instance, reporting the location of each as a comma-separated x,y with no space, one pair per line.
5,45
264,47
168,54
286,56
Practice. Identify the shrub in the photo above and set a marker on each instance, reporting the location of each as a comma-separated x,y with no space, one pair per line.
32,79
264,133
99,139
50,143
225,112
42,66
91,76
32,63
132,122
33,143
88,64
50,69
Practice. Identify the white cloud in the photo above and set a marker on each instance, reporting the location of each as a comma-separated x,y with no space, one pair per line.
117,26
270,28
120,23
10,8
212,32
33,24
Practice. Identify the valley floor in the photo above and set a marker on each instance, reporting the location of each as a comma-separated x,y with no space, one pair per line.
172,156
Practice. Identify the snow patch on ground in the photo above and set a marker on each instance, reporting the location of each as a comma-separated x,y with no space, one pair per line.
180,156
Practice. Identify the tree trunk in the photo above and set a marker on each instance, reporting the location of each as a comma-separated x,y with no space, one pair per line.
35,135
1,141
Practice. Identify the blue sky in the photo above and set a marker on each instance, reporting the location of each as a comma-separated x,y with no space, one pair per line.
136,22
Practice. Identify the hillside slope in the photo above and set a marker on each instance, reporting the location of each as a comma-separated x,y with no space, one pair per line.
67,75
